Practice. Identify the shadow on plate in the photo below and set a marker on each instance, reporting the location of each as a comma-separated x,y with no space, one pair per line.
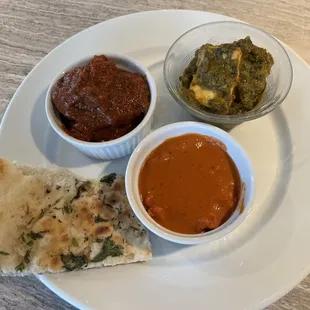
163,247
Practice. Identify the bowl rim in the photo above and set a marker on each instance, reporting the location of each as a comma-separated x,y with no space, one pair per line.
132,176
229,119
53,120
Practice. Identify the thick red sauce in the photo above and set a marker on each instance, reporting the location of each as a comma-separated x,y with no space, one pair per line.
189,184
99,101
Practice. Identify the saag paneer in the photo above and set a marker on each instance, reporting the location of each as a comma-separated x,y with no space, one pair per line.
228,78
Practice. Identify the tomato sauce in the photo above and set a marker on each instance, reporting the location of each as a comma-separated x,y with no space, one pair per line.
189,184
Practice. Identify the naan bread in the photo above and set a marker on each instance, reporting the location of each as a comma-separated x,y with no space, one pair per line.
53,221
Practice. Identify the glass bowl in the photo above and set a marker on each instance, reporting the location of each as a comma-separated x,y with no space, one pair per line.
183,50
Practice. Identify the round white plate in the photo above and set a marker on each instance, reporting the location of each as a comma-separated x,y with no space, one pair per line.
250,268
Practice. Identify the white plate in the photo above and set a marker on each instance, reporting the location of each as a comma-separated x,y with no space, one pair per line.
250,268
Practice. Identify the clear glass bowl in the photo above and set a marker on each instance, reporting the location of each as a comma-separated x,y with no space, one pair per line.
183,49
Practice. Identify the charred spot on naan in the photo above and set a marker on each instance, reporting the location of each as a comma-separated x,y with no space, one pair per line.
49,261
112,199
55,225
83,213
55,263
117,238
103,231
119,186
86,210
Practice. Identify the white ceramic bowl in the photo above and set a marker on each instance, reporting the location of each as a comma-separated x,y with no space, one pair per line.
115,148
157,137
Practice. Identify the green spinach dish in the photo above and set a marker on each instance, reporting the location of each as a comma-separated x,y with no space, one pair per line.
229,78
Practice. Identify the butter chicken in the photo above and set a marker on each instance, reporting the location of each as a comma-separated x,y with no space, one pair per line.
189,184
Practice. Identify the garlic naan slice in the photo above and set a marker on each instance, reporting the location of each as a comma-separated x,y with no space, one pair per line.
53,221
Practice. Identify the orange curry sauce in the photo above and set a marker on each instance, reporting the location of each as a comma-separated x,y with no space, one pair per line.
189,184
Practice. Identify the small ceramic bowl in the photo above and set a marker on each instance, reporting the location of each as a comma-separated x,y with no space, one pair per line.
115,148
156,138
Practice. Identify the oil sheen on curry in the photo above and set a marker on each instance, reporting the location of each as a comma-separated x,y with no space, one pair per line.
189,184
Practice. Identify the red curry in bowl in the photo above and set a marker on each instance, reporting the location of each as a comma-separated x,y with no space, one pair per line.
189,184
100,101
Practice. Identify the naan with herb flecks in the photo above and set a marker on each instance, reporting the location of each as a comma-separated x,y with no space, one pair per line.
53,221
